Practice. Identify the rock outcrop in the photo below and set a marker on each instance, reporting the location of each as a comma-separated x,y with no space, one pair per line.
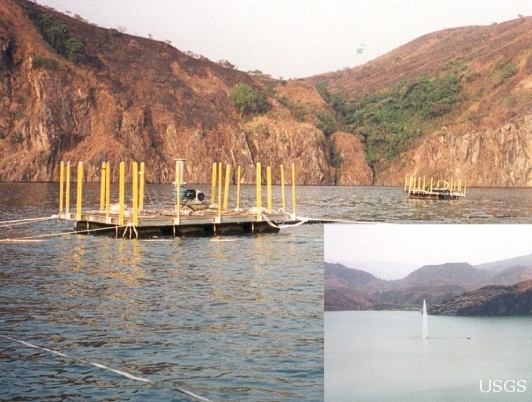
489,301
353,168
497,157
127,98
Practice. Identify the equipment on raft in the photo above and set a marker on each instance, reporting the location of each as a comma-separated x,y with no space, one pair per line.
188,195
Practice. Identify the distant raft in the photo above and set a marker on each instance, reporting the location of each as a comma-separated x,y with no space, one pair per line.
418,189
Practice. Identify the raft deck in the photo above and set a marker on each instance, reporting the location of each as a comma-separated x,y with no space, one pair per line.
159,223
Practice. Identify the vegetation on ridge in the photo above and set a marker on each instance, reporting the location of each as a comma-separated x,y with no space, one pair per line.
55,33
390,122
248,101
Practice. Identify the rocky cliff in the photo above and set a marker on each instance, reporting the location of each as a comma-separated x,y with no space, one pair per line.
109,96
489,301
499,157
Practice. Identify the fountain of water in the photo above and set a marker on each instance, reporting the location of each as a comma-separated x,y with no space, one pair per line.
425,323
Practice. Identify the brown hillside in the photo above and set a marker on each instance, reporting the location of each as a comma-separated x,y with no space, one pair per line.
126,98
428,54
134,99
488,141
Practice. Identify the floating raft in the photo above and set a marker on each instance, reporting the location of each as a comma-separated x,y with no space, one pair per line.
182,218
161,223
418,189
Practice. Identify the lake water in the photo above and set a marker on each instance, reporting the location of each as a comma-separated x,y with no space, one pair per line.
231,318
381,356
389,204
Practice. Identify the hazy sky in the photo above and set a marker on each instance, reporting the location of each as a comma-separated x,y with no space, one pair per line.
290,38
423,244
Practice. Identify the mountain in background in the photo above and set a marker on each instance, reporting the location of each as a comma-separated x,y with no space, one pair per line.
489,301
353,289
525,260
453,103
381,269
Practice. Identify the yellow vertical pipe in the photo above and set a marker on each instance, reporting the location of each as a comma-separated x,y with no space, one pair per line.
79,192
226,188
283,201
67,189
259,192
431,184
464,188
219,189
238,188
419,183
141,186
213,187
459,185
424,182
178,194
61,185
108,190
294,189
135,193
121,194
411,184
269,187
102,187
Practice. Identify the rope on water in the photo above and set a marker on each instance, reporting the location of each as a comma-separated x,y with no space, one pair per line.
273,225
24,221
101,366
30,238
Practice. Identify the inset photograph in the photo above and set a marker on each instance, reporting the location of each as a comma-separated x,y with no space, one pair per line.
427,312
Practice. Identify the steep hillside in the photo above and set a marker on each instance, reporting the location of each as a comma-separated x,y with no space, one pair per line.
73,91
454,103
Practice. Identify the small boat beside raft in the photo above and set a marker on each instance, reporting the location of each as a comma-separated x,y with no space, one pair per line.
418,189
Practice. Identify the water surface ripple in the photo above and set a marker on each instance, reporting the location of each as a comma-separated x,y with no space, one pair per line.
238,319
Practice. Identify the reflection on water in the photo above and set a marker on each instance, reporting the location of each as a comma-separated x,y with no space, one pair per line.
238,320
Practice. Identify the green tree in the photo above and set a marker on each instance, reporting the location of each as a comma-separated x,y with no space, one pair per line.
74,49
248,101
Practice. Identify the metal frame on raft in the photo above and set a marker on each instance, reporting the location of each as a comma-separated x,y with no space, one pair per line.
196,219
418,190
